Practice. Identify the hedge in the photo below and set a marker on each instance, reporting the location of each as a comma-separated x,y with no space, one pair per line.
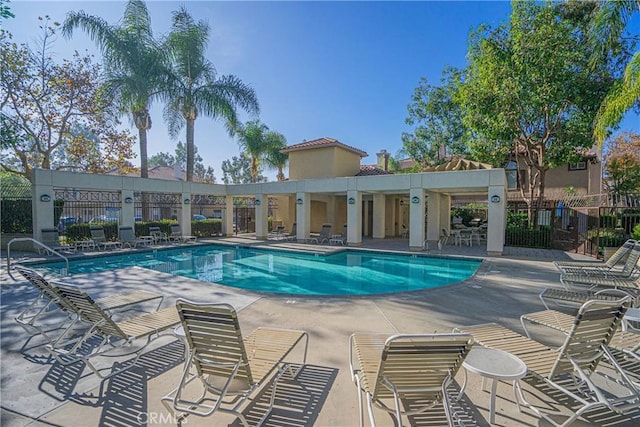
205,228
16,216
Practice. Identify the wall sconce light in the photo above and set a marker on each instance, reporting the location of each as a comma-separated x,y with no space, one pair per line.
45,198
415,199
128,200
299,201
187,201
495,199
351,201
401,202
258,202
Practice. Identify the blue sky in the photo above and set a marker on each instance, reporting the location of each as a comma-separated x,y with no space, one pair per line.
344,70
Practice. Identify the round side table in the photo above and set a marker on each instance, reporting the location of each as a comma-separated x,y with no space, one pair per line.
497,365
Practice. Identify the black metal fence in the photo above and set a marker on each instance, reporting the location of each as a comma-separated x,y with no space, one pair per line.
582,230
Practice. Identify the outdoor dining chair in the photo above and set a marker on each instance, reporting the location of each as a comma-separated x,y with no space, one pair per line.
229,367
418,368
573,368
105,337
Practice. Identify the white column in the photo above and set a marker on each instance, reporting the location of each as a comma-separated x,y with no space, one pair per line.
42,211
227,217
185,218
262,216
128,210
434,221
496,213
445,212
354,218
303,215
416,219
379,211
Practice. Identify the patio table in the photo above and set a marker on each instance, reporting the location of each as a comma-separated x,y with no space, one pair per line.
497,365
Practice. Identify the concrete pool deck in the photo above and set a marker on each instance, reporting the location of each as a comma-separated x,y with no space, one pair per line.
36,391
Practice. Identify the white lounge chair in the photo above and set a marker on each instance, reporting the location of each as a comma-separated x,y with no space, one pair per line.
104,336
229,367
573,368
388,369
177,236
128,238
99,239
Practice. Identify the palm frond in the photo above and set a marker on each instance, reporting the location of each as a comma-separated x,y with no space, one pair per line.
622,97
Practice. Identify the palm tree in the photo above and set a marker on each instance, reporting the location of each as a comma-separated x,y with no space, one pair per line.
608,26
134,64
274,157
257,141
195,89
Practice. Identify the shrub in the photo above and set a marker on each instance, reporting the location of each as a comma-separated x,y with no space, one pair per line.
206,228
636,232
16,216
608,221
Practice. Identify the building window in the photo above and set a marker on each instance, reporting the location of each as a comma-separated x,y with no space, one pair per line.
511,170
577,166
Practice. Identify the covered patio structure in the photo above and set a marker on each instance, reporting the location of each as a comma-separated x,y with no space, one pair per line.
379,206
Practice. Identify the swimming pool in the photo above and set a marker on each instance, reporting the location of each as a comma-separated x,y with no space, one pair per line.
349,272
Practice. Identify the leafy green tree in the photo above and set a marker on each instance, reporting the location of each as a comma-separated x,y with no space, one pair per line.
530,92
257,141
195,89
607,30
237,170
135,68
274,156
439,131
53,114
622,166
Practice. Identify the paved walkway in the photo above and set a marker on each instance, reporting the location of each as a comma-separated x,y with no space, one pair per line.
36,391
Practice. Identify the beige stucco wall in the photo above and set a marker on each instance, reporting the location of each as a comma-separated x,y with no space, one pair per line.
586,181
326,162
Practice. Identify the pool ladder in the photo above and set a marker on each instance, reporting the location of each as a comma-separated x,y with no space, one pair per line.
37,242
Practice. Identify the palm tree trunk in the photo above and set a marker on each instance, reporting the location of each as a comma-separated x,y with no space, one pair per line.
254,169
143,122
190,149
280,175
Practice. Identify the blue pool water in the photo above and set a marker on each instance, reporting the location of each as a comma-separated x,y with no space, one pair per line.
344,273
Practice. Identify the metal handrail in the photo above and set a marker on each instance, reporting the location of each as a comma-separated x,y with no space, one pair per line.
27,239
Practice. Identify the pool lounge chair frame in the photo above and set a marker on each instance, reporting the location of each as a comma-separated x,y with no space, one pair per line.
570,368
229,367
128,238
630,270
392,368
99,239
114,339
51,238
177,236
618,256
49,300
323,237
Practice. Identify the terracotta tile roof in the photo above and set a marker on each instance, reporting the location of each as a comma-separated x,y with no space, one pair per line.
368,170
157,172
323,142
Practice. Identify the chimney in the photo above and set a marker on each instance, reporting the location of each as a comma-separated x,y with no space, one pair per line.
383,160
